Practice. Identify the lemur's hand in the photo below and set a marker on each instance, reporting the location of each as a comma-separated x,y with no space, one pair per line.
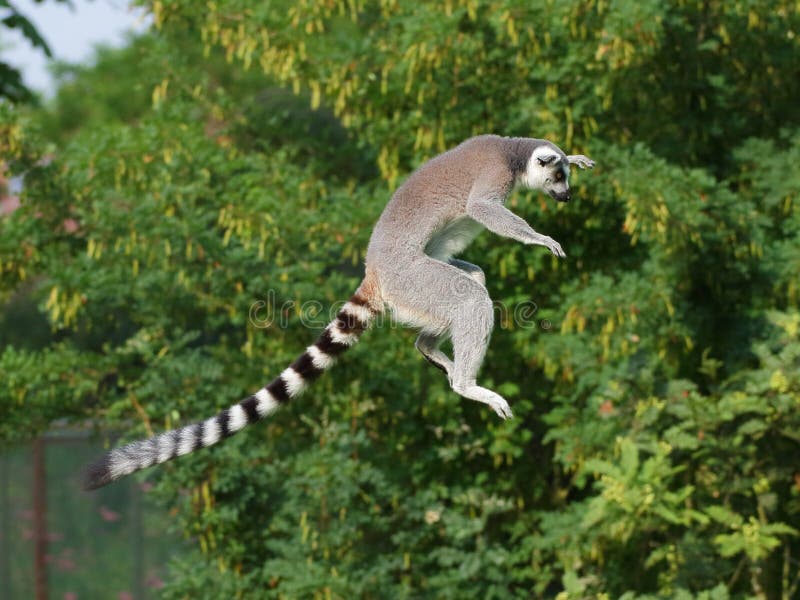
554,247
582,161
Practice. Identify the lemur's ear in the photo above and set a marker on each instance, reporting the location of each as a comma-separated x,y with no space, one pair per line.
580,160
546,160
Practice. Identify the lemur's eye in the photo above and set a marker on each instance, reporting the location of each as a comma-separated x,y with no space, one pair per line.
559,176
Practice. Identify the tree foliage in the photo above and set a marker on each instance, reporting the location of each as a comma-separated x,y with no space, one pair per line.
12,87
656,389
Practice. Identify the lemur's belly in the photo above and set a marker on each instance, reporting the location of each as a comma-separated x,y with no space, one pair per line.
453,238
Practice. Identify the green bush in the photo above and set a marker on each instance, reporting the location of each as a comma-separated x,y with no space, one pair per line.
655,447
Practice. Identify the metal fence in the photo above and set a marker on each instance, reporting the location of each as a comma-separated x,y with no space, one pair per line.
59,542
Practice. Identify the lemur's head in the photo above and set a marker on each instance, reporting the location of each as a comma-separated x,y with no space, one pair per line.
548,170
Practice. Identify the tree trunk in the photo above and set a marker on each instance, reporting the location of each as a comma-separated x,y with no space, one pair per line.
39,519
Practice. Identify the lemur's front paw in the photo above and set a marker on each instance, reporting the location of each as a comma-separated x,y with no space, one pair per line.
554,247
582,161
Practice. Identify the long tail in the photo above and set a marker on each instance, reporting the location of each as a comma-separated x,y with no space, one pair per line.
344,331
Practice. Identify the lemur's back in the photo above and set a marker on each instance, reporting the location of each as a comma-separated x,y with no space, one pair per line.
435,194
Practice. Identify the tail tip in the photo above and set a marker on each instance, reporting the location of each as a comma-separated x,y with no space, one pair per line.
97,474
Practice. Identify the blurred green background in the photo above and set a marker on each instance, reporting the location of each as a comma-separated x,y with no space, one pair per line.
240,151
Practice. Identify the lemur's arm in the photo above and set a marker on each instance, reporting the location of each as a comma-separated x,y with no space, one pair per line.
485,205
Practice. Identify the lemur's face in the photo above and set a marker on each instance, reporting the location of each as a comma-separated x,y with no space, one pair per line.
548,170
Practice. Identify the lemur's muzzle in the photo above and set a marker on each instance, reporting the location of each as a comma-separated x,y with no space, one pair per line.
560,196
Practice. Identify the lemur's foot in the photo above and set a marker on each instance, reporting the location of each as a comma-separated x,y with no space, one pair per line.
501,407
486,396
554,247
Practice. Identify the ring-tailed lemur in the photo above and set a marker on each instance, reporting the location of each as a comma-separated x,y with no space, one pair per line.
411,271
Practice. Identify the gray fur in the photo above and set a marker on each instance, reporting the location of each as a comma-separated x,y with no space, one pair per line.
435,215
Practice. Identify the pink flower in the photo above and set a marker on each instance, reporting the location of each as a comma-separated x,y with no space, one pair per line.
108,515
8,205
65,563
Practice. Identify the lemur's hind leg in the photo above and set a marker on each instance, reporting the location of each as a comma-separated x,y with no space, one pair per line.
428,343
440,297
473,271
470,331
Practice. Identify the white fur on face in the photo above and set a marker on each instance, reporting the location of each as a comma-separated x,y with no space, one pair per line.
536,176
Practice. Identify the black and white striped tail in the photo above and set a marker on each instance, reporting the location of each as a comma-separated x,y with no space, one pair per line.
344,331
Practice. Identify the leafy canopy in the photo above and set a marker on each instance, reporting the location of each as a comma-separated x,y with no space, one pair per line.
656,388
